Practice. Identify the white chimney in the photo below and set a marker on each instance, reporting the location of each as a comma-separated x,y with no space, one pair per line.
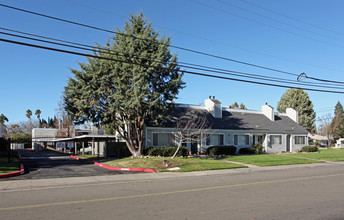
293,114
214,107
268,111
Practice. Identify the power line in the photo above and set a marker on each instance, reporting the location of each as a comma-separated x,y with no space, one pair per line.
278,21
206,39
135,37
182,71
291,18
264,24
181,64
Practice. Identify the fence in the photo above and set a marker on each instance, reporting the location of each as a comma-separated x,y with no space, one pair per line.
6,154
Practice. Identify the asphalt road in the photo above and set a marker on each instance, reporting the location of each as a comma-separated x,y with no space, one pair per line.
50,164
314,191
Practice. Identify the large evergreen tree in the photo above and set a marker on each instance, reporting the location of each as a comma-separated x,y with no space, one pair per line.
299,100
337,124
121,95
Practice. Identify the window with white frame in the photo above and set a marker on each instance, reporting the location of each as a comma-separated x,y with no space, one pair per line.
215,139
300,140
276,139
163,139
241,139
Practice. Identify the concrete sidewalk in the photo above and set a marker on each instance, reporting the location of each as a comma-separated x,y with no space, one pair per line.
32,184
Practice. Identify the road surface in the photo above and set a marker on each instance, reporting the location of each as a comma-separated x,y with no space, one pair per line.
314,191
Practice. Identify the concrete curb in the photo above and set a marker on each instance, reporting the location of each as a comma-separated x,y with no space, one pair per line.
118,168
17,173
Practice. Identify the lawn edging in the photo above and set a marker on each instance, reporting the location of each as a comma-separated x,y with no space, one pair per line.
17,173
118,168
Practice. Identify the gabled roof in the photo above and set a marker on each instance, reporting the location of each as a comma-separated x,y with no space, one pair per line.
234,120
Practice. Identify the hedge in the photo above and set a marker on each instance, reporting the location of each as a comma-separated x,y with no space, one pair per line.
310,149
165,151
247,150
221,150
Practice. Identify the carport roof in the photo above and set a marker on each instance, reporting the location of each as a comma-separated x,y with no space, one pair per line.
87,138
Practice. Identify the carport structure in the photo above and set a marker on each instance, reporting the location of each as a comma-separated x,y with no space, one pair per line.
94,144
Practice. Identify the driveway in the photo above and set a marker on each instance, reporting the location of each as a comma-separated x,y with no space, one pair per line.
50,164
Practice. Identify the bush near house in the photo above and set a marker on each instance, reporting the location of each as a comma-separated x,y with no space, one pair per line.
247,150
165,151
310,149
258,148
255,149
221,150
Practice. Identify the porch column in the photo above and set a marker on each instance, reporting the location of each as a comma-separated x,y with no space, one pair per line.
92,146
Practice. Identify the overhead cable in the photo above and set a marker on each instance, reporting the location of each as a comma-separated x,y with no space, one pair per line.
182,71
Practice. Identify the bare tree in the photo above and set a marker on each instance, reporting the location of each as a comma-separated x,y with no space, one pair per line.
64,122
325,127
192,129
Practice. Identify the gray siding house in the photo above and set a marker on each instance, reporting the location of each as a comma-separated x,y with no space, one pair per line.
225,126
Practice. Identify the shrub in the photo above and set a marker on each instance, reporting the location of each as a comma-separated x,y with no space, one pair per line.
165,151
310,149
258,148
221,150
247,150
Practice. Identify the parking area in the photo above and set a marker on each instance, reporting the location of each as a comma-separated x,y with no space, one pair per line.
50,164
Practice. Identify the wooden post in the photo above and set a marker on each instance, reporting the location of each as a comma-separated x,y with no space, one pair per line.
93,146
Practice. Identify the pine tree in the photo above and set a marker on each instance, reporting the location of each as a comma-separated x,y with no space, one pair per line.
299,100
235,105
122,95
337,124
242,106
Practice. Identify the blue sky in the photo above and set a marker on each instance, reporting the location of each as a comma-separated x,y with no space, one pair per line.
293,36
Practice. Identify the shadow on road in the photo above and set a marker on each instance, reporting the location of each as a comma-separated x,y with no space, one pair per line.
51,164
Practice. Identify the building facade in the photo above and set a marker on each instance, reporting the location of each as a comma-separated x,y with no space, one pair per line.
226,126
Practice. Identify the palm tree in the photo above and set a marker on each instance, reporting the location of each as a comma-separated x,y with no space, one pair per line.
3,119
38,113
28,113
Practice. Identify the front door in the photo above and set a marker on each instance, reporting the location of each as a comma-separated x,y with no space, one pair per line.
288,143
194,148
258,139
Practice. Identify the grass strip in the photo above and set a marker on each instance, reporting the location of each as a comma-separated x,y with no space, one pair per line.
185,164
6,167
263,160
324,154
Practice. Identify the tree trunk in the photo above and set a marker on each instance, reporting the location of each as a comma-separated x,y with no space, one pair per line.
136,152
175,153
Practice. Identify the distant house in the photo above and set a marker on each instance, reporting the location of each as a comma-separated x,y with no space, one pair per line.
241,128
340,143
322,140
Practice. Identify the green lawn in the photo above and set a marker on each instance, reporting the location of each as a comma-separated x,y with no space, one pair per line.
269,160
325,154
8,168
185,164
